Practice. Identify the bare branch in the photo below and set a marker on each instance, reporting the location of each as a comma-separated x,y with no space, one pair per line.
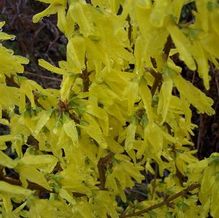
166,201
102,167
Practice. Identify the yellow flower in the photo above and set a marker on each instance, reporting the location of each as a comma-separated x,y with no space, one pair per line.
9,63
54,7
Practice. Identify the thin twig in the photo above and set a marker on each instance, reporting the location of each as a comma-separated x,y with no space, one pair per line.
201,133
193,77
63,106
10,81
157,75
166,201
154,183
43,77
129,29
157,80
13,181
85,79
102,167
167,47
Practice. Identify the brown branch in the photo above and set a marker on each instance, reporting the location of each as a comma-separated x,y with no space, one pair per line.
154,183
7,179
63,106
43,77
13,181
167,48
157,84
166,201
129,29
74,117
102,167
217,80
201,133
78,194
10,81
215,75
85,79
154,63
31,140
157,75
157,80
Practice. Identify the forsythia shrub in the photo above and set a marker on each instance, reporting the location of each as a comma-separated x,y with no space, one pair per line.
122,115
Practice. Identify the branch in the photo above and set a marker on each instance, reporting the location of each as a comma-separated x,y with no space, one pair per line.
102,167
63,106
157,75
86,81
166,201
42,77
129,29
157,79
10,81
167,48
154,184
13,181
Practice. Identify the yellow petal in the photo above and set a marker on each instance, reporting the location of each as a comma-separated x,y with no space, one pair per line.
130,137
7,161
71,131
5,36
159,12
13,189
182,44
94,131
202,14
202,63
50,67
66,86
145,94
76,54
101,115
52,9
165,97
194,96
2,23
33,175
44,116
43,162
